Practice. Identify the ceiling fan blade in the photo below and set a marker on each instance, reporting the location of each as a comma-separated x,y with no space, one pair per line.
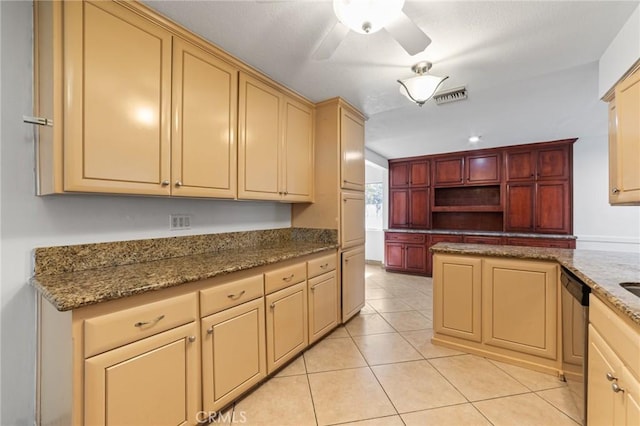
331,41
408,34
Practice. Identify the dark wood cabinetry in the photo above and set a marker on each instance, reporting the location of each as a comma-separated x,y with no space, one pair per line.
406,252
541,242
514,189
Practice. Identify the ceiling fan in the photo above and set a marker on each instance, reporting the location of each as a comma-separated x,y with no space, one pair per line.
369,16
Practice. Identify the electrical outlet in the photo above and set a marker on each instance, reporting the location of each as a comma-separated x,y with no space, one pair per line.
179,221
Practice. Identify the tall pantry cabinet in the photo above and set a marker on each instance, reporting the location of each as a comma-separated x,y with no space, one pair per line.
339,194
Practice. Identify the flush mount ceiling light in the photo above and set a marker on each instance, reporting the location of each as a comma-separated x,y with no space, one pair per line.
420,88
474,139
367,16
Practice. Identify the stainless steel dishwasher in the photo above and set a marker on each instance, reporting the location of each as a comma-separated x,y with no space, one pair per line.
575,322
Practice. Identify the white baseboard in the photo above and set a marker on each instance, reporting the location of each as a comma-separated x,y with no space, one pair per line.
608,243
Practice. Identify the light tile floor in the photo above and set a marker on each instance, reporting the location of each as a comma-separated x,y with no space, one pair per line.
381,369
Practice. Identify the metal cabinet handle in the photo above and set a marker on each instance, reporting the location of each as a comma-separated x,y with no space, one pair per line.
616,388
165,182
615,191
273,305
611,377
178,183
153,321
236,296
325,266
287,279
192,339
210,330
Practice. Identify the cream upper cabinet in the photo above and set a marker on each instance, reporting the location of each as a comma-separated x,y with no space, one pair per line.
297,173
205,96
110,96
275,150
352,151
624,142
352,230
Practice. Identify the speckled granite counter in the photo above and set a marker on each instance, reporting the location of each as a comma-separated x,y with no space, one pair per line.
603,271
74,276
483,233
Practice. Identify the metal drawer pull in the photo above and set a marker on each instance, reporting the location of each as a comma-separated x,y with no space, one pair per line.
143,323
192,339
616,388
611,377
273,305
615,191
289,278
210,330
236,296
325,266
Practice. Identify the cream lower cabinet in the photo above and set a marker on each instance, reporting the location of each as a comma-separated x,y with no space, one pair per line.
613,394
287,327
233,340
323,305
505,309
353,289
457,297
150,382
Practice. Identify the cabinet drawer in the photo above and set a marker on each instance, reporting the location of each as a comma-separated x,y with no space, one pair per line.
405,237
284,277
231,294
321,265
119,328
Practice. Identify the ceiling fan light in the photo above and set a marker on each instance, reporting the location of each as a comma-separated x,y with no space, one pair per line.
367,16
420,88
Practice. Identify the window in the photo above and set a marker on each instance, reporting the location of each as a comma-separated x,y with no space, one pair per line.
373,206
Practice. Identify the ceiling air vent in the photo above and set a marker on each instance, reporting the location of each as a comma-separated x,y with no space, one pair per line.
451,95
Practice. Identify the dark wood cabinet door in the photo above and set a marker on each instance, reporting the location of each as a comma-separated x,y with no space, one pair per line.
394,255
520,165
399,208
419,215
399,175
483,169
553,163
519,211
415,258
419,173
482,239
448,171
553,211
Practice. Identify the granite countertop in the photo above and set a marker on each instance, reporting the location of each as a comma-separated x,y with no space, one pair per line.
483,233
70,285
602,271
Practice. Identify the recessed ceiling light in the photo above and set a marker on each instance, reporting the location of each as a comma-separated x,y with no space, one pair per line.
474,139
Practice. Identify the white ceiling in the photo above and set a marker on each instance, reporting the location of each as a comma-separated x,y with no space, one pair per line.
519,60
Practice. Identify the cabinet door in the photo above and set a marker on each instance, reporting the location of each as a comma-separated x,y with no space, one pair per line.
457,297
627,141
520,306
323,305
553,207
233,353
553,163
352,282
399,208
483,169
399,175
394,255
287,326
259,140
604,407
150,382
419,172
352,219
448,171
631,397
205,104
519,207
352,150
297,173
117,101
520,165
572,329
416,258
419,215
